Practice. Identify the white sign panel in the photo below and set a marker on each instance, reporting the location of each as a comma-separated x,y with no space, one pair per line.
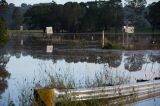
21,42
21,28
129,29
49,49
49,30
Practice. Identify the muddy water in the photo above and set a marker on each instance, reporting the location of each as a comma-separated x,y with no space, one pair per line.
31,66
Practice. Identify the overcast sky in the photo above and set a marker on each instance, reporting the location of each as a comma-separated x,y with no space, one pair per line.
19,2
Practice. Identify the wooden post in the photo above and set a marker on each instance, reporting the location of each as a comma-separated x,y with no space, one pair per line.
103,39
127,34
127,39
92,38
123,35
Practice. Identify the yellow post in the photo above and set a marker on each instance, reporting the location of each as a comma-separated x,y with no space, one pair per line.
44,97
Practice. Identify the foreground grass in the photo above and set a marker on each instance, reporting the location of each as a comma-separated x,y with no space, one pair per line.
26,89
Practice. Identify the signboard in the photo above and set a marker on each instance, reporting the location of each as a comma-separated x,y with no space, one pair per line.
49,30
129,29
21,28
92,38
49,49
21,42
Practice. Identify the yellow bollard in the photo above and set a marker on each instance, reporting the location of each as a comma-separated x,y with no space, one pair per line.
43,97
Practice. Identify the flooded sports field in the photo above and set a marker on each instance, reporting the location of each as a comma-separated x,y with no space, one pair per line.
27,66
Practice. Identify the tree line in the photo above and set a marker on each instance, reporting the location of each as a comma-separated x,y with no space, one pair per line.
89,16
76,17
3,27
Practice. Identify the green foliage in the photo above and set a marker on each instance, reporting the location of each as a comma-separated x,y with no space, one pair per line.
136,3
92,16
76,17
111,45
134,13
3,32
3,4
17,18
154,15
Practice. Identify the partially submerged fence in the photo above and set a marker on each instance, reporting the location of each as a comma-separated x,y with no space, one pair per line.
132,92
94,40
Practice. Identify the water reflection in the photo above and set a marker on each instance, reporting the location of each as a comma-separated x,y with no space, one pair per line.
150,102
114,60
4,75
154,58
83,68
134,62
31,66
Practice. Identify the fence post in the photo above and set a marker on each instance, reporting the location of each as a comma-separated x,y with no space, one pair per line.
103,39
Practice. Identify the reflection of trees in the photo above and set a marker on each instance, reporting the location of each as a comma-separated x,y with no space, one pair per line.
154,58
4,59
18,55
114,60
3,73
3,82
134,62
38,50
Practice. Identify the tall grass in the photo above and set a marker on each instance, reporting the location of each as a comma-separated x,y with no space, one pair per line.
45,79
59,81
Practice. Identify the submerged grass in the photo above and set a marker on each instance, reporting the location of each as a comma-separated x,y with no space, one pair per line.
45,79
66,82
59,81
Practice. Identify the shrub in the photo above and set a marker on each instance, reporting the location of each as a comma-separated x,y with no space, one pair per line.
3,33
111,45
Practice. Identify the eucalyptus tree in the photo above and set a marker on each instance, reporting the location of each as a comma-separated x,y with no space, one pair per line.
3,28
154,15
38,16
3,5
73,12
17,17
117,11
134,12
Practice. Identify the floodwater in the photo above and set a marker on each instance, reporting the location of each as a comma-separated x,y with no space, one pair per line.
150,102
32,66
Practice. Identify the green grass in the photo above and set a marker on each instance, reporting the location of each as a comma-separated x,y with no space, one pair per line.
111,45
31,31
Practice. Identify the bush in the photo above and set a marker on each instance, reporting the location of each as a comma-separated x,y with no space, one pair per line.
3,33
110,45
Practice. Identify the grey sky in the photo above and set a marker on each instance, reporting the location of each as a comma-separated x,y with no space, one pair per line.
19,2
